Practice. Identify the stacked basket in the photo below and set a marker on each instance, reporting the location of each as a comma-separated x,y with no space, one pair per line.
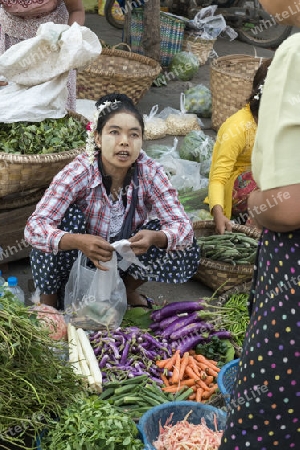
24,178
231,81
202,48
219,275
119,71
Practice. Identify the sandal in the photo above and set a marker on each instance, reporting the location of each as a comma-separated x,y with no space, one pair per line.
149,305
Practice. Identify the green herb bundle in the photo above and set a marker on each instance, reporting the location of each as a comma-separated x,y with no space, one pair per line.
36,383
93,424
48,136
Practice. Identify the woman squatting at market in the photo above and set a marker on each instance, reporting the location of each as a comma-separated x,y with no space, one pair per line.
106,194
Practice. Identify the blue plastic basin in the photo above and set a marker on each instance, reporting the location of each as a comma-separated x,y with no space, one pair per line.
149,423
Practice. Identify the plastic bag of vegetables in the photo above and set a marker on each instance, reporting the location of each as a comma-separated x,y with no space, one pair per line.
197,146
155,127
157,151
181,124
184,65
198,100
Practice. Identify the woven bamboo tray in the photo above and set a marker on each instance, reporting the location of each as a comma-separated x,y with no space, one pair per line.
231,79
22,173
218,275
202,48
117,71
20,199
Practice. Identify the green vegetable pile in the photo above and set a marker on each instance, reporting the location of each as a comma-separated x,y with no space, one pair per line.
138,394
198,100
233,248
197,146
233,316
48,136
184,65
92,424
35,381
217,349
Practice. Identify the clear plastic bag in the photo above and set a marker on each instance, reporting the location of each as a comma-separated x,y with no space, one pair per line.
95,299
155,127
157,151
181,124
208,26
198,100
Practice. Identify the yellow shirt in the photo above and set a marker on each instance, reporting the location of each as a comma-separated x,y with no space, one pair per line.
276,155
231,157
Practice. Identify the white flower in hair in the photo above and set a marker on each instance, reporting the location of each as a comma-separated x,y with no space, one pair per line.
92,127
259,93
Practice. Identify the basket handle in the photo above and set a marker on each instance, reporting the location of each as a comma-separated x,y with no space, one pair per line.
122,43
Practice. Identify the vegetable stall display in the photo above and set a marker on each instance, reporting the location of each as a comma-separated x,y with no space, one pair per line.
37,382
47,136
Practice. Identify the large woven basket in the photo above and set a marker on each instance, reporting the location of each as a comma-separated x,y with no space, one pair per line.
202,48
117,71
219,275
231,79
23,173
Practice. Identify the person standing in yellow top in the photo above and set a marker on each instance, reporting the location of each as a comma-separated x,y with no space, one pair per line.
230,178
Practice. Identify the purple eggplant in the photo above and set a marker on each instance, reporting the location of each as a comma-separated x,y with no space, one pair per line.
179,323
189,342
165,323
125,353
103,361
223,334
175,308
196,327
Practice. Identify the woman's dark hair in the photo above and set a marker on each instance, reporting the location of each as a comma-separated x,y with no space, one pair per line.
258,82
123,104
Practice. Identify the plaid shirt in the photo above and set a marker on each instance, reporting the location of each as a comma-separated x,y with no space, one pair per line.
81,183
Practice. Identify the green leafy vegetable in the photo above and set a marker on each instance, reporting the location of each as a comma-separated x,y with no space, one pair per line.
184,65
48,136
198,100
35,380
217,349
92,424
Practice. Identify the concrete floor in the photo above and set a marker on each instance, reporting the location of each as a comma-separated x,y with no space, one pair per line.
162,96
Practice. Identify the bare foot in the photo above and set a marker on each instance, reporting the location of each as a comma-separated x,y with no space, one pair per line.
135,298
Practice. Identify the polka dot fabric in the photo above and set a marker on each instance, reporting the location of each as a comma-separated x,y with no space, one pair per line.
264,410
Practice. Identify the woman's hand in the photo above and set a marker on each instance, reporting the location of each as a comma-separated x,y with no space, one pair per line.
144,239
96,248
222,222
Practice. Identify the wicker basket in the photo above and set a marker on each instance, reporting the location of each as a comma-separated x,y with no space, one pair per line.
231,79
22,173
117,71
219,275
202,48
20,199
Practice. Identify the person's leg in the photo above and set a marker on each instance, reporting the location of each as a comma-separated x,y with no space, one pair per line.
160,266
51,272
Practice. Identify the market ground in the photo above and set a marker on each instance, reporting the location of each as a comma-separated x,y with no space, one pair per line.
162,96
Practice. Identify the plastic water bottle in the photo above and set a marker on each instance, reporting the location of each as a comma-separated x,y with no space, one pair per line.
2,281
15,289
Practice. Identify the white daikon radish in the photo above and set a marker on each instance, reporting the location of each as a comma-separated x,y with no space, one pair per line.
73,350
91,359
83,362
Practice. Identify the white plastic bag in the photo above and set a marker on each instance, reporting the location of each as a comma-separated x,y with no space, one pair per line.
181,124
95,299
37,70
155,127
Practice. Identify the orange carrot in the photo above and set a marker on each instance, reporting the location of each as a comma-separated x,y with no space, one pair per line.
211,361
165,380
209,380
189,382
174,388
191,373
207,394
206,364
176,369
199,393
184,363
161,363
193,365
208,370
202,384
172,360
192,396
